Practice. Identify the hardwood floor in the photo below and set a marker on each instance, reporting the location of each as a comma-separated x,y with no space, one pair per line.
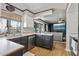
57,50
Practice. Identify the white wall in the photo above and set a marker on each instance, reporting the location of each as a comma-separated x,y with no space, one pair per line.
0,8
47,27
71,23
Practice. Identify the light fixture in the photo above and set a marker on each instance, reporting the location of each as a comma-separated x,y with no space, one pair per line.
10,8
61,20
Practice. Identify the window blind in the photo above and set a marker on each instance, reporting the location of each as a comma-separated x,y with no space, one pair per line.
10,15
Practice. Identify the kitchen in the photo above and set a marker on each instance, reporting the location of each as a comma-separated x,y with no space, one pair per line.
22,32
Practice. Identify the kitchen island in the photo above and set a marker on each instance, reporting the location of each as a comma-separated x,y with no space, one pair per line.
44,40
9,48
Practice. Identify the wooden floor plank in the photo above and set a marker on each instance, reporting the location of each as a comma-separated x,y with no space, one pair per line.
57,50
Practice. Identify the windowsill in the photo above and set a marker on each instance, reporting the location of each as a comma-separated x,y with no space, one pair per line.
10,35
2,35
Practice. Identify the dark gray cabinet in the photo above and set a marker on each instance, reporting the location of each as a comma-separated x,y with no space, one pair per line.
39,40
44,41
48,41
31,41
16,53
15,39
27,41
21,40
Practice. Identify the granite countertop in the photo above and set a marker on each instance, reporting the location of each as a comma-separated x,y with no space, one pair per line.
46,33
27,34
7,47
19,35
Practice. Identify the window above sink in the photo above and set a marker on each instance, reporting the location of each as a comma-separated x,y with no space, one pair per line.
9,26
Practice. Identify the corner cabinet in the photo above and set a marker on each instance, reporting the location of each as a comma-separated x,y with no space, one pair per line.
45,41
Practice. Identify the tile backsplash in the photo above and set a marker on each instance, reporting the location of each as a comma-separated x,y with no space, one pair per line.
28,29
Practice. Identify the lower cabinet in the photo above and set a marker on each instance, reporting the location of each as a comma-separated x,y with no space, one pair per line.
31,41
27,41
47,41
44,41
21,40
17,53
39,40
16,40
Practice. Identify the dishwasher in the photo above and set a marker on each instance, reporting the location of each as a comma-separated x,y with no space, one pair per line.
31,41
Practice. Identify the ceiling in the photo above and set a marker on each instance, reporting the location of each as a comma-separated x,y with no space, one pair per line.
59,9
54,17
37,7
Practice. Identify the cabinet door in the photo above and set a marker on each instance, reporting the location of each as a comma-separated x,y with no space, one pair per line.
33,41
47,41
23,41
39,40
17,40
